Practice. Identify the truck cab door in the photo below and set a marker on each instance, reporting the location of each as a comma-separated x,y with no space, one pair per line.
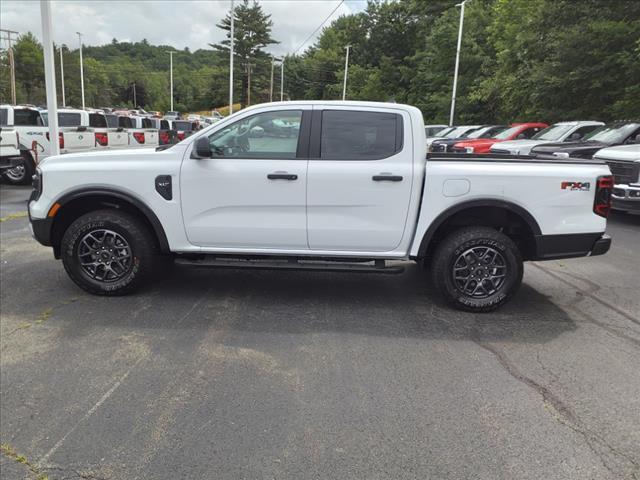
359,179
251,193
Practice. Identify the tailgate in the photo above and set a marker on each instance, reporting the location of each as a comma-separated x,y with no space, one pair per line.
151,137
75,141
118,139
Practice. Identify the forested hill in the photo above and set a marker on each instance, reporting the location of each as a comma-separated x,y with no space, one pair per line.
521,60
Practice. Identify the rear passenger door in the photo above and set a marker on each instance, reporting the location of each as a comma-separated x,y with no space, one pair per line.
359,179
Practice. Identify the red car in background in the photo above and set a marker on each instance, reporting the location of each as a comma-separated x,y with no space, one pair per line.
516,131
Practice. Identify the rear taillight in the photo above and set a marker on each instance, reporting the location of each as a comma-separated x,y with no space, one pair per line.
164,138
602,202
60,139
102,139
180,135
139,136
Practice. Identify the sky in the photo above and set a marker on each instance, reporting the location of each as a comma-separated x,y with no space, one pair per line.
179,23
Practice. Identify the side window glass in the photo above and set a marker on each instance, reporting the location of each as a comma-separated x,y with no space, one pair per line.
264,135
530,132
348,135
582,131
4,114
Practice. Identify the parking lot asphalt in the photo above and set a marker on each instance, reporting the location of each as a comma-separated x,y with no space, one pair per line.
225,374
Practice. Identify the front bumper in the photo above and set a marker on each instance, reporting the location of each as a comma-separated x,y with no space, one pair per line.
626,197
7,163
553,247
41,229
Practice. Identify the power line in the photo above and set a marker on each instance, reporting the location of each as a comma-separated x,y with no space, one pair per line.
318,28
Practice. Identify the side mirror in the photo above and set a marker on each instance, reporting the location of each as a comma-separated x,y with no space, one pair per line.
521,136
201,149
637,138
574,136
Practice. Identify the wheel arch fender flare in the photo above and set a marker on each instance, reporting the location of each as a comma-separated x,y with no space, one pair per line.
123,196
459,207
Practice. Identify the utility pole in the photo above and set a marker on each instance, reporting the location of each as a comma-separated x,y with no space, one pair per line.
271,82
455,74
233,14
12,65
135,102
64,103
346,72
49,76
282,80
171,52
81,69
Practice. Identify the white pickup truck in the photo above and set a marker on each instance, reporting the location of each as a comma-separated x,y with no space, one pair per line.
624,162
346,188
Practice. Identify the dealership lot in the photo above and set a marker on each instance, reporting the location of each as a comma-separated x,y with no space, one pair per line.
243,374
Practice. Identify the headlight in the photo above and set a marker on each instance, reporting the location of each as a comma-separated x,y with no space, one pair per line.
36,183
468,149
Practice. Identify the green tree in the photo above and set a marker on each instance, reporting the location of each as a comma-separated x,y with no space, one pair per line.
252,33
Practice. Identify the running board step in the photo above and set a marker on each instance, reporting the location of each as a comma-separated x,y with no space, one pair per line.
377,267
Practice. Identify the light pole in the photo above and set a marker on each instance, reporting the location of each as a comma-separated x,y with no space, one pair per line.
135,101
233,14
455,74
49,76
271,82
64,103
346,72
282,80
171,52
81,70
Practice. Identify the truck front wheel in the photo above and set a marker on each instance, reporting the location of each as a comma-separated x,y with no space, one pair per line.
107,252
477,269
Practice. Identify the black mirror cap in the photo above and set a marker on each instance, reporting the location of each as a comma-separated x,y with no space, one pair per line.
201,149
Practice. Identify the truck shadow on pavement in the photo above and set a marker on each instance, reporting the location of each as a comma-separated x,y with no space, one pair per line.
247,301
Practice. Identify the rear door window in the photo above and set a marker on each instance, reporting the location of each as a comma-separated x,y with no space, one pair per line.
359,135
125,122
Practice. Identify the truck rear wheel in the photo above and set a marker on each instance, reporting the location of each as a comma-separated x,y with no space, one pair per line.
21,174
477,269
107,252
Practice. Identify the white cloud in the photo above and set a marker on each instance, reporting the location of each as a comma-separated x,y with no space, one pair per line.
180,23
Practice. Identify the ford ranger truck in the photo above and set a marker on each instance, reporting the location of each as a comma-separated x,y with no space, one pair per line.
349,190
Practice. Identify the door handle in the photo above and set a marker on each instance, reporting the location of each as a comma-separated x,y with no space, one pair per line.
387,178
282,176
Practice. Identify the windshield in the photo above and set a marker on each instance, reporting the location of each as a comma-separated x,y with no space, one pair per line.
485,132
458,132
553,133
445,131
611,133
505,134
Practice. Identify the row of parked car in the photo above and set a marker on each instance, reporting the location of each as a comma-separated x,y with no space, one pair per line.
25,136
616,143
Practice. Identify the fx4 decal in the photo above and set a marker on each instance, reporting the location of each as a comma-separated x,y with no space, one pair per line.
580,186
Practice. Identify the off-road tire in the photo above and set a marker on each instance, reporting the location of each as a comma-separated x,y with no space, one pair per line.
126,226
450,252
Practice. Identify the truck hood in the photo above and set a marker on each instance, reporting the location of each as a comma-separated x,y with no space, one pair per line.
580,149
630,153
105,155
519,145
